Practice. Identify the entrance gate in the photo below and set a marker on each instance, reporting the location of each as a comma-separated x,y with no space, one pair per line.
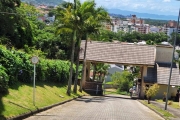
113,53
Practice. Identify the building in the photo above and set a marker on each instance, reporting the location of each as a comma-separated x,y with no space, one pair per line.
154,29
154,61
170,27
129,25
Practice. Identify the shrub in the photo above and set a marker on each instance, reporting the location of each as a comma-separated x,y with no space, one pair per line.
152,91
124,80
19,67
3,80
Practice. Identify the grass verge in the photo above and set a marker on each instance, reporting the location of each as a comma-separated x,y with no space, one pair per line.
20,98
171,103
165,114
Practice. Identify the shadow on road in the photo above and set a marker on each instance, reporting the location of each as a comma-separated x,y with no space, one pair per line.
102,98
91,99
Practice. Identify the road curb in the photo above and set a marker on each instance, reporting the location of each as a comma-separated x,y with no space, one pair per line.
25,115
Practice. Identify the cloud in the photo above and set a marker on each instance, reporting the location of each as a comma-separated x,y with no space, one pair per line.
164,7
166,0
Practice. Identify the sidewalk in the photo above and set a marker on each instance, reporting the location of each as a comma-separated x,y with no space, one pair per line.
174,111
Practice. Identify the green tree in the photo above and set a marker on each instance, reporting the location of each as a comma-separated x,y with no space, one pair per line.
83,19
66,21
152,91
123,79
102,69
14,23
92,26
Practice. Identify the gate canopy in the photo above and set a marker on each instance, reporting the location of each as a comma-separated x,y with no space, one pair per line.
120,53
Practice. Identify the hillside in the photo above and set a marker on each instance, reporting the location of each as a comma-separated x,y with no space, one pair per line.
45,2
142,15
19,100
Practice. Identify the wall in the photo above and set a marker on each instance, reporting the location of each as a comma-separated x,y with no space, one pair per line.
144,73
162,89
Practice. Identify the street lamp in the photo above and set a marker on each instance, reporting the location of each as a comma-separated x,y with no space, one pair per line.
172,60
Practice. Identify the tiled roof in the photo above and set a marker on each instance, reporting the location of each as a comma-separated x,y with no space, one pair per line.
163,72
160,74
119,53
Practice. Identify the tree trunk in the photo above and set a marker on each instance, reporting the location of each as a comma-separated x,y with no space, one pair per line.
84,63
100,77
71,67
77,67
149,98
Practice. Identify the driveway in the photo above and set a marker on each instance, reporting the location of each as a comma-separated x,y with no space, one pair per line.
112,107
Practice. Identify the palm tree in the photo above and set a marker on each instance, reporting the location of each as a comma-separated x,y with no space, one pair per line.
102,69
78,19
66,20
85,13
93,25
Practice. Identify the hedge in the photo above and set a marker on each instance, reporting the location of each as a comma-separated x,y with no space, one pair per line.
16,66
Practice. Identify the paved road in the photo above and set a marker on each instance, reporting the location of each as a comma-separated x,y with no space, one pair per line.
99,108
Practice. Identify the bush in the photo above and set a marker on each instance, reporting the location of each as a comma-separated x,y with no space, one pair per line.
152,91
124,80
16,65
3,80
53,70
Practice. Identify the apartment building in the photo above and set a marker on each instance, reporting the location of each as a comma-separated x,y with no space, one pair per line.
129,25
170,27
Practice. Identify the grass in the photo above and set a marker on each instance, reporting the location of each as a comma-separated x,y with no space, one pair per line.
171,103
116,91
20,98
164,113
109,83
123,93
110,91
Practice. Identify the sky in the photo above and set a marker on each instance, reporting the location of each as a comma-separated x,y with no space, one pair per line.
160,7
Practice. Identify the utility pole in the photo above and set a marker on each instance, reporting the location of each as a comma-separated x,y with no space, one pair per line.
172,61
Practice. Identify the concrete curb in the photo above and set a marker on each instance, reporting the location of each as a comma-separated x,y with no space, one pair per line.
153,110
25,115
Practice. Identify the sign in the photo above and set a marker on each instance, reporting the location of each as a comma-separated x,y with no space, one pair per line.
34,59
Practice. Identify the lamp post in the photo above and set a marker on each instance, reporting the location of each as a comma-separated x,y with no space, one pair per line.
172,60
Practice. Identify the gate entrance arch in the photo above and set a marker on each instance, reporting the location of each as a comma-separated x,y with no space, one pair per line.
148,57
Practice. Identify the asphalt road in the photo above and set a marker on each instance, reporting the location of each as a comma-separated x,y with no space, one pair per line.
113,107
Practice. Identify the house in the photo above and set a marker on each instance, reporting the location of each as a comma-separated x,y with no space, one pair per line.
154,61
160,72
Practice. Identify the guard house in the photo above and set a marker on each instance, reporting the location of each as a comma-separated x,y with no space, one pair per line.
155,62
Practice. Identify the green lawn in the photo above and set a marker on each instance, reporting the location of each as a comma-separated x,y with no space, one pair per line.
116,91
171,103
20,98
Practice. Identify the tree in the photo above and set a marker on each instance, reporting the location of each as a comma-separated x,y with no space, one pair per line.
122,79
66,21
152,91
92,26
102,69
14,23
82,18
84,12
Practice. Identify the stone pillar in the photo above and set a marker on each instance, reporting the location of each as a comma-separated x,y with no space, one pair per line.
143,74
